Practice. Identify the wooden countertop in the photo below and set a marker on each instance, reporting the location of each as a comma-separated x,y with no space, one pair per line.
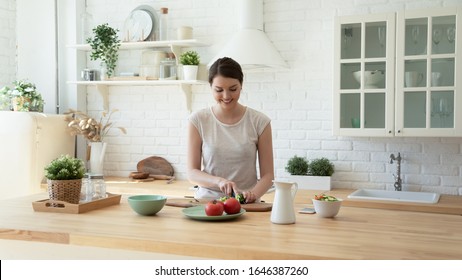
356,233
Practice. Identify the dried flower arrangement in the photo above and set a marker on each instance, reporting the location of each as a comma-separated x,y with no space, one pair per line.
80,123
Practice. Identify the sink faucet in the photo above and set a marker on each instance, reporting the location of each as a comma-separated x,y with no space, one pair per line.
397,176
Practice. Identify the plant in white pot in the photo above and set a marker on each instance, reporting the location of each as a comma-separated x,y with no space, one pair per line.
190,61
79,123
314,175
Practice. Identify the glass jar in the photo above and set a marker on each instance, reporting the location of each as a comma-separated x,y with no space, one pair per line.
88,191
98,186
168,68
163,24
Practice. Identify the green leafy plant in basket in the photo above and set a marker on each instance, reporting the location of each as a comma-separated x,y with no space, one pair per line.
23,96
105,46
65,168
190,58
64,176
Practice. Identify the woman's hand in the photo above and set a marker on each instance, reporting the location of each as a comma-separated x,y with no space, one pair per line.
249,196
227,187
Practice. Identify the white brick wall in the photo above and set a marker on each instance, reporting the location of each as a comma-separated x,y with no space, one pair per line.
7,42
298,100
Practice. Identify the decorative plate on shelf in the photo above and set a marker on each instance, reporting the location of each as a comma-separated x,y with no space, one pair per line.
198,213
140,24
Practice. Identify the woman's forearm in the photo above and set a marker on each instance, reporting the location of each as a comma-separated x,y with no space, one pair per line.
204,179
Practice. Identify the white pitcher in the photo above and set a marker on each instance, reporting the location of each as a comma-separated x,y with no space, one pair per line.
283,206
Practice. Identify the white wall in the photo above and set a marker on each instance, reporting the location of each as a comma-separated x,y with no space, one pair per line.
36,48
298,100
7,42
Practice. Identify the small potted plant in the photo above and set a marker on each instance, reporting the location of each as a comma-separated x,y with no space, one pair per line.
190,61
22,97
105,46
64,178
314,175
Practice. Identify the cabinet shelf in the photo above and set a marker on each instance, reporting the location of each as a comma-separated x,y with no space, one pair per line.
103,87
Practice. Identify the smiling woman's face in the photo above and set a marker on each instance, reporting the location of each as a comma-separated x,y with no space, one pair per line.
226,91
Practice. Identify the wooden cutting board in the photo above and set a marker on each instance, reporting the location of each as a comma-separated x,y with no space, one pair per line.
190,202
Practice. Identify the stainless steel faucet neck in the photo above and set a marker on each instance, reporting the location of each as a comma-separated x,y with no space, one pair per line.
397,176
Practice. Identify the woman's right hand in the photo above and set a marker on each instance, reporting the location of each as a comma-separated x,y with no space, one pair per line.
227,187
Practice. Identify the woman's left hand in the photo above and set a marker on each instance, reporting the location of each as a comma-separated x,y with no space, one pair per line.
249,196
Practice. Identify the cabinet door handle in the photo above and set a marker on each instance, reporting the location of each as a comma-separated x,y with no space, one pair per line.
399,131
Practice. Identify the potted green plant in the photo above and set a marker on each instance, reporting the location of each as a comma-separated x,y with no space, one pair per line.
105,46
297,166
190,61
64,178
23,96
321,167
315,175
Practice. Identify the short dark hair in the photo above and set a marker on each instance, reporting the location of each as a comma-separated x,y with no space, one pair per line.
226,67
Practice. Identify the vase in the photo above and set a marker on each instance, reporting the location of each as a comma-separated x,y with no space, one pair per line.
97,152
190,72
103,72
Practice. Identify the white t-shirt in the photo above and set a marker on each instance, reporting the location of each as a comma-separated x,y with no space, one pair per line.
229,150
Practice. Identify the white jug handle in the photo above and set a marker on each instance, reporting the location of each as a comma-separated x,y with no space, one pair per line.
294,190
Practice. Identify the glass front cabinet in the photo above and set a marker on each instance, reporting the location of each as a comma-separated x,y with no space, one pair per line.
396,74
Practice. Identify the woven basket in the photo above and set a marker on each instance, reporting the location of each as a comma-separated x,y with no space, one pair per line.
65,190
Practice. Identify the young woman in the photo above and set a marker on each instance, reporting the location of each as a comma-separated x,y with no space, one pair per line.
226,139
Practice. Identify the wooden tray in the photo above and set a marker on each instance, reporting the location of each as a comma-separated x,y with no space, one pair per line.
190,202
47,205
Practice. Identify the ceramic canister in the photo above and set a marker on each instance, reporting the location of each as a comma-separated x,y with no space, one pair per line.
152,57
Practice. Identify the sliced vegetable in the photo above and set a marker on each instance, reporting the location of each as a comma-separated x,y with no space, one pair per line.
324,197
240,197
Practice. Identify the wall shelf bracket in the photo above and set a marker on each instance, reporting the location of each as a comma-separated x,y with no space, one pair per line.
104,91
186,89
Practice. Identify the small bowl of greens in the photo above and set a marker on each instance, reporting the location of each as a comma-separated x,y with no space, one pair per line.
326,206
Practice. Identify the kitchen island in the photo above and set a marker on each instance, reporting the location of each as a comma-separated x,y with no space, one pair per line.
356,233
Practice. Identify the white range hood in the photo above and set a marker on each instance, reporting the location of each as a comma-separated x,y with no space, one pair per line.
250,46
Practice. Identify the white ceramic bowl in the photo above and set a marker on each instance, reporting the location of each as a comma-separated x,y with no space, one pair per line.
327,209
371,78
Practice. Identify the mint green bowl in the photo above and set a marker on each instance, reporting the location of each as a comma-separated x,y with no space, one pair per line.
147,205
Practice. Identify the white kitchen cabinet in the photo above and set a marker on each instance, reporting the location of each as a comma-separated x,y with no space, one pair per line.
417,95
175,46
428,91
364,75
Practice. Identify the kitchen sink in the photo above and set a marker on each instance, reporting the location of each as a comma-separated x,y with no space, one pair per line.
401,196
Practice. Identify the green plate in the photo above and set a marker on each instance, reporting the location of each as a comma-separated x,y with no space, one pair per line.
198,213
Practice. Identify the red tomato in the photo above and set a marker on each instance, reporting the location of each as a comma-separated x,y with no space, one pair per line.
232,206
214,208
